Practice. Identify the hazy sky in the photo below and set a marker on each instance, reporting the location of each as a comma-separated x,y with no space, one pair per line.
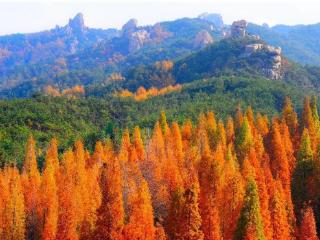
25,16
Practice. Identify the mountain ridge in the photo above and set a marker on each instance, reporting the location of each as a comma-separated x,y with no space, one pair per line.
76,54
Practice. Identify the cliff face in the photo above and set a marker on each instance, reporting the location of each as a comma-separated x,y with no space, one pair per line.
271,65
77,24
137,40
239,29
214,18
202,39
139,36
273,60
130,27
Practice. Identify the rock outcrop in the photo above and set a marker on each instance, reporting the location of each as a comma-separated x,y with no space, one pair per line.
137,40
272,67
252,48
138,36
274,70
239,29
202,39
77,24
130,27
158,33
214,18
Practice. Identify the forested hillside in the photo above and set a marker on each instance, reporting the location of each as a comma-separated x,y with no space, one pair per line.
248,177
300,43
200,47
106,115
189,129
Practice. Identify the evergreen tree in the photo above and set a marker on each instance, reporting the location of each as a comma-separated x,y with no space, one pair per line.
290,116
31,181
244,140
303,188
250,225
49,198
140,224
110,220
190,223
308,226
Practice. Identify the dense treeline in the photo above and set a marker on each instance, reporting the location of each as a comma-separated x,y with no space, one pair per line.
247,178
156,66
93,119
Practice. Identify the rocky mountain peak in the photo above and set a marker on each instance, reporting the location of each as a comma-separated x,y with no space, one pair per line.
77,23
130,27
202,39
239,29
214,18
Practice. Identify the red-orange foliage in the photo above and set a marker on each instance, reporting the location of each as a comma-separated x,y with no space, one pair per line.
181,182
12,210
49,196
142,94
279,162
138,144
308,226
190,218
72,92
67,220
31,181
279,217
140,224
110,220
290,117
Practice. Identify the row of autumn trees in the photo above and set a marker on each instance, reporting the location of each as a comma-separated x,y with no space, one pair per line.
249,178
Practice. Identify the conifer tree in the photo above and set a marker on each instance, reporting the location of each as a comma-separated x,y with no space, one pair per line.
287,142
52,155
244,140
175,213
125,148
308,122
49,199
262,125
187,131
31,181
278,157
140,224
239,118
250,225
163,122
308,229
290,116
177,145
303,188
110,220
211,127
138,144
67,194
279,218
80,181
98,156
190,223
233,193
13,216
153,169
230,132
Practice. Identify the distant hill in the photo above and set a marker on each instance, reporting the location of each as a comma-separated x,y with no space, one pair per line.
66,55
78,55
299,43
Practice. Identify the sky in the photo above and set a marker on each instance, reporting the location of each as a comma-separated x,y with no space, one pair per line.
26,16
